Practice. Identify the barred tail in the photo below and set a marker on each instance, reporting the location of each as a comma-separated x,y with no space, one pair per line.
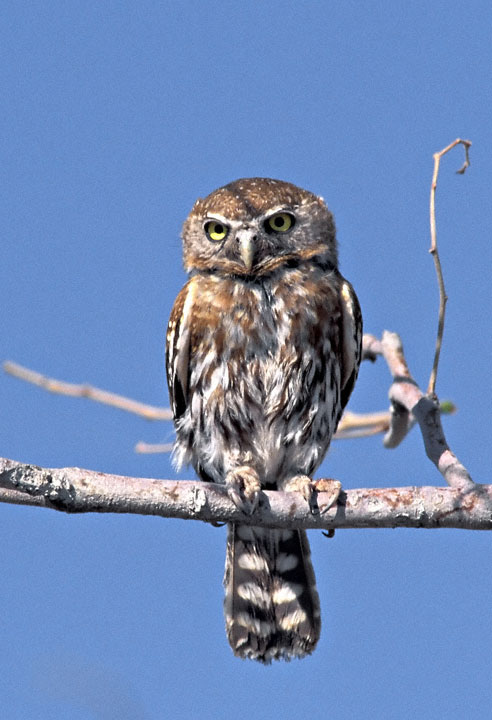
271,603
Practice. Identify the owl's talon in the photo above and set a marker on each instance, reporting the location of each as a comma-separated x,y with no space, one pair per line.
304,485
243,488
310,490
333,487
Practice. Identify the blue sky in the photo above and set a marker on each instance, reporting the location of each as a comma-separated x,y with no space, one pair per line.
116,116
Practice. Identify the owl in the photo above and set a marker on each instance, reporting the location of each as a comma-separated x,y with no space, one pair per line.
263,350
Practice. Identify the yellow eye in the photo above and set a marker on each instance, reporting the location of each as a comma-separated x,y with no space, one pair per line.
280,222
216,231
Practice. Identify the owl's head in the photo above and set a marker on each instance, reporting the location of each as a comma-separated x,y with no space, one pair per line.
253,226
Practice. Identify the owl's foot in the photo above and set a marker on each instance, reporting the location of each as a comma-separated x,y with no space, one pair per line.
332,489
243,487
310,490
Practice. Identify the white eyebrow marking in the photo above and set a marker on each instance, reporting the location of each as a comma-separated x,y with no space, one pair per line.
219,217
278,209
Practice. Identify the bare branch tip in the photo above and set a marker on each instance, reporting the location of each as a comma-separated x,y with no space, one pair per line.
392,340
443,298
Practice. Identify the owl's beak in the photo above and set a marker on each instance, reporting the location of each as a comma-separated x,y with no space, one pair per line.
246,240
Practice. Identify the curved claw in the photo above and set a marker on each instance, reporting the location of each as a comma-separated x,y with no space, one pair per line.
243,488
310,490
333,489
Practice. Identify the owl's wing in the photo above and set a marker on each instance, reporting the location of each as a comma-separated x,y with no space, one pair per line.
178,344
351,340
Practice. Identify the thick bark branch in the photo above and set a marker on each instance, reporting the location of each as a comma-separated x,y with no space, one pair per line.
76,490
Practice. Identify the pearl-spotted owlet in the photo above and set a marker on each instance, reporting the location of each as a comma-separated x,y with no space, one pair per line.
263,350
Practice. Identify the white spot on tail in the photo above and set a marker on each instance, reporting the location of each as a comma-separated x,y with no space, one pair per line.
285,534
293,620
254,594
285,562
244,532
287,593
248,561
259,627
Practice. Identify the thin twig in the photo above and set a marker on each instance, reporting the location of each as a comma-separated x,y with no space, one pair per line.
352,425
145,448
149,412
435,254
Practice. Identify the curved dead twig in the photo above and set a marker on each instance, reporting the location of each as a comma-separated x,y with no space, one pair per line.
443,298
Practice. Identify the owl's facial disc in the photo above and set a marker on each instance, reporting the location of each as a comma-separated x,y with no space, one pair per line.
243,237
247,246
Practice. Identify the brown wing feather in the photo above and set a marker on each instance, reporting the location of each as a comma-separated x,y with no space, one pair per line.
178,352
351,340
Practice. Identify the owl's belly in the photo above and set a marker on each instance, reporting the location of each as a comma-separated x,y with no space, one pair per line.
268,400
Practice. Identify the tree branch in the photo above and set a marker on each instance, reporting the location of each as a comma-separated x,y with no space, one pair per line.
410,405
60,387
76,491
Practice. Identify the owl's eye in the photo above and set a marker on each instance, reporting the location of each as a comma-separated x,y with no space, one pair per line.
216,231
280,222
